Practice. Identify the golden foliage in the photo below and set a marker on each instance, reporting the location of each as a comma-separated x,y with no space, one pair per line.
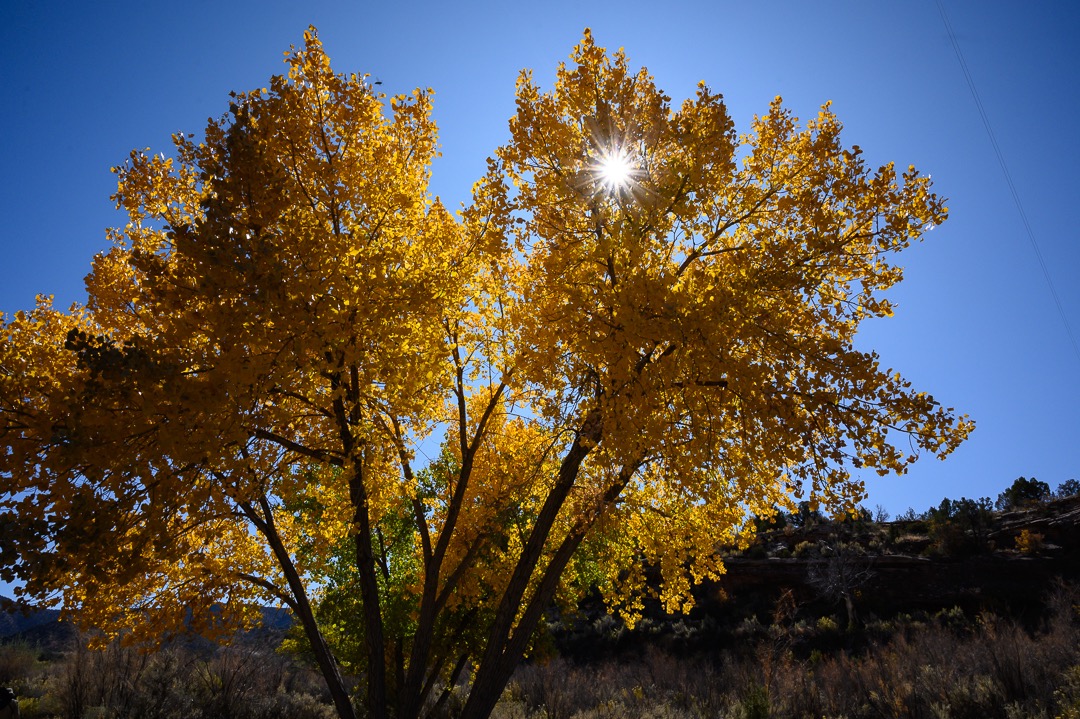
1028,542
618,372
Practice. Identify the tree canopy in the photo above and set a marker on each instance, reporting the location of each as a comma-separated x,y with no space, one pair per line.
1023,492
298,373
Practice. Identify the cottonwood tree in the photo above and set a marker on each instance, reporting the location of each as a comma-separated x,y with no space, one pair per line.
637,336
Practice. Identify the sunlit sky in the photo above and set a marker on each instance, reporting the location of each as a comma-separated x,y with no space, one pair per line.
976,324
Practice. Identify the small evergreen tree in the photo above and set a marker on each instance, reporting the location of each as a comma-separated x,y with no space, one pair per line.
1068,488
1023,493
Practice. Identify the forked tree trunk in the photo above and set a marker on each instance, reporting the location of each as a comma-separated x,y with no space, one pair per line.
505,650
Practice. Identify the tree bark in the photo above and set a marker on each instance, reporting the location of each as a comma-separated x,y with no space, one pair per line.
489,684
514,648
301,605
412,689
374,640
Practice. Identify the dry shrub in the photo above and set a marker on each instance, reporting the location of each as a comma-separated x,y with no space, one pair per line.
17,661
654,685
97,682
994,670
945,668
241,682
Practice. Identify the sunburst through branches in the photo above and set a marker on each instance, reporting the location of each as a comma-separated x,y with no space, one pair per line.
614,171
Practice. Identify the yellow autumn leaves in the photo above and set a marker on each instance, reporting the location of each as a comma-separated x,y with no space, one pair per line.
289,329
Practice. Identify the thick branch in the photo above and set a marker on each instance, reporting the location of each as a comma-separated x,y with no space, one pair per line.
270,587
298,448
301,605
486,686
365,565
497,666
429,604
702,252
417,506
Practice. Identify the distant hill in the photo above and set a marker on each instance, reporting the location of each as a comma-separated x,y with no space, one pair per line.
858,571
43,628
17,619
926,564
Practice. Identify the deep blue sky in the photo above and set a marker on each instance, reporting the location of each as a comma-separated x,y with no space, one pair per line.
85,82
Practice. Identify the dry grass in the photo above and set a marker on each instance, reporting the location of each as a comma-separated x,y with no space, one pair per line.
943,667
242,682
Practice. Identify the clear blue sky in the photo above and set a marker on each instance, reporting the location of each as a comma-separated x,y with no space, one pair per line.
976,325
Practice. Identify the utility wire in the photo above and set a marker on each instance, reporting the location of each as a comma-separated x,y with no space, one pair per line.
1009,180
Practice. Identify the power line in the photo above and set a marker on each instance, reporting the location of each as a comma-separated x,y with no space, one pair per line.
1008,179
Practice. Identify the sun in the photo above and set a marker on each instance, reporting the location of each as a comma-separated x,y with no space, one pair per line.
615,170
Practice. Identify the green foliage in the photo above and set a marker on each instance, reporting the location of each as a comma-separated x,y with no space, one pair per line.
960,527
766,522
755,705
827,624
1023,493
908,515
1068,488
1068,695
807,515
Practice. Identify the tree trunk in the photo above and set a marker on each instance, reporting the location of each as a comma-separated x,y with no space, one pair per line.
374,640
505,651
302,607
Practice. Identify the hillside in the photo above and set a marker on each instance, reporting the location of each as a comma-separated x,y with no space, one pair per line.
857,573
